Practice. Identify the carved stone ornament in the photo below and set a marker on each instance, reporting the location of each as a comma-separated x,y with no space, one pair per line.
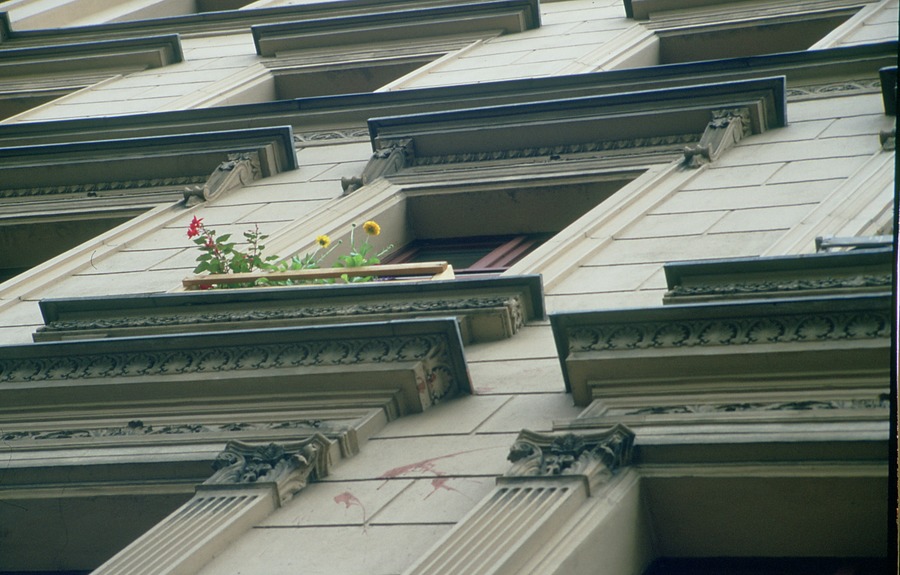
292,313
726,128
595,456
809,327
882,402
138,428
289,465
391,157
97,188
761,287
237,171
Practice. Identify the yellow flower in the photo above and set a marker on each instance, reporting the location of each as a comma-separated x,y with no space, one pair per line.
372,228
323,241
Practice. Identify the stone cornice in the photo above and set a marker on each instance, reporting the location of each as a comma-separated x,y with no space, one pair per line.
134,163
418,363
488,308
801,68
204,22
719,345
507,16
548,124
146,52
767,277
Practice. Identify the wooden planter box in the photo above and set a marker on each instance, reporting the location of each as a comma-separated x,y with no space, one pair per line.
436,271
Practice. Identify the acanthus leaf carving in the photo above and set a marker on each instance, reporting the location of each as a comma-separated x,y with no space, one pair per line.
290,466
596,455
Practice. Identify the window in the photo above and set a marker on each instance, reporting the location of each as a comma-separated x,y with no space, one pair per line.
479,254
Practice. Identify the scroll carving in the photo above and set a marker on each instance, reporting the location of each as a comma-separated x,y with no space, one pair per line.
596,456
237,171
726,128
390,158
291,466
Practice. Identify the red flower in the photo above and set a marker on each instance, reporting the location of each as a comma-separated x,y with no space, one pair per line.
195,227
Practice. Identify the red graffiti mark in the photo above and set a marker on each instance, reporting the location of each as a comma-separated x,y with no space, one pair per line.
349,500
424,466
440,483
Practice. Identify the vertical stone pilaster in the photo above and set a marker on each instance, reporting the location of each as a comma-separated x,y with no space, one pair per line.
551,477
249,483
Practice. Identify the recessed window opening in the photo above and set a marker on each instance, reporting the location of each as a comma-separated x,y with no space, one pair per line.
491,227
347,78
752,38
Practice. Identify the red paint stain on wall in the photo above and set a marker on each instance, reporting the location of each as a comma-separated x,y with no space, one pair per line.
349,500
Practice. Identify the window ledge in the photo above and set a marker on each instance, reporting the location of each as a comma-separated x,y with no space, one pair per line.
508,16
148,52
850,272
486,308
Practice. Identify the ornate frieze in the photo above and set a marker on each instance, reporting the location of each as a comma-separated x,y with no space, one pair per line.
594,455
288,465
674,142
289,313
725,331
94,188
863,86
882,402
789,285
304,139
221,358
139,428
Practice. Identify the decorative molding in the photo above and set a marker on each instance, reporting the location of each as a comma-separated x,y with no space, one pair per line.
726,128
848,87
137,427
221,358
304,139
592,455
391,157
794,343
882,402
290,466
725,331
237,171
286,313
789,285
673,142
93,188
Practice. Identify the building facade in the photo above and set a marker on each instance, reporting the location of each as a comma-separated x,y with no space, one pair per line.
666,347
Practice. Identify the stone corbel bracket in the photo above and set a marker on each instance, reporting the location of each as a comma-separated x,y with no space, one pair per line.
289,467
390,157
725,129
237,171
593,456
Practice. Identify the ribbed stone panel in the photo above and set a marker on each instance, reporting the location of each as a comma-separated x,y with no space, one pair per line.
194,533
498,536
